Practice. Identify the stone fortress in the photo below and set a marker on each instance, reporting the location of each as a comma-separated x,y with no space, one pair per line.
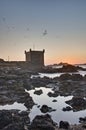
35,58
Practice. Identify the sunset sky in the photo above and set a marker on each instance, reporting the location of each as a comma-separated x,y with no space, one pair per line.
58,26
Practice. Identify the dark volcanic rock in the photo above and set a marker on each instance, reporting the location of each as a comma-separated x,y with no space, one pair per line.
82,119
64,125
54,100
68,108
69,68
85,77
10,94
77,103
29,103
5,118
54,94
38,92
27,84
43,122
65,68
65,77
13,120
70,87
45,109
37,82
14,126
76,77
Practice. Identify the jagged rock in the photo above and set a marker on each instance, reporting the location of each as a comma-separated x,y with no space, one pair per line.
54,100
65,68
69,68
64,125
38,92
65,77
77,103
5,119
85,77
54,94
45,109
37,82
10,94
82,119
43,122
76,77
29,102
27,84
79,92
14,126
13,120
68,108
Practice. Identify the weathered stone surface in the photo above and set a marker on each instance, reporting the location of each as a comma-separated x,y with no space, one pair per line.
38,92
54,100
82,119
68,108
37,82
69,68
76,77
54,94
75,88
15,94
64,125
65,68
65,77
85,77
14,126
77,103
45,109
14,81
43,122
13,120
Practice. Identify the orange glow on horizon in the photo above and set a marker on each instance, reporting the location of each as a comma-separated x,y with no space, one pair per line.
66,60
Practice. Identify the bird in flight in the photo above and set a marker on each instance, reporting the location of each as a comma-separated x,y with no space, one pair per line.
45,32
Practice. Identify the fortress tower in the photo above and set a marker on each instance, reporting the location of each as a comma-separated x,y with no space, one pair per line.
35,59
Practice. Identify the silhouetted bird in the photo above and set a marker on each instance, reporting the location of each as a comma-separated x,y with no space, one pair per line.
45,32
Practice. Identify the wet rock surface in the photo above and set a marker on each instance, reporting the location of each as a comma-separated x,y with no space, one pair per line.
38,92
54,100
68,108
64,125
12,87
14,120
14,81
53,94
43,122
45,109
77,103
11,94
82,119
65,68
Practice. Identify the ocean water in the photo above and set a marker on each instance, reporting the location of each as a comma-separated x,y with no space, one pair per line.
15,105
58,115
53,75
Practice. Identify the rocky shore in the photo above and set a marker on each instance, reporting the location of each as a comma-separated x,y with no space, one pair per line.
14,82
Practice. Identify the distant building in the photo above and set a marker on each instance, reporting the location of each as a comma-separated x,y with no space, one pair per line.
1,60
35,59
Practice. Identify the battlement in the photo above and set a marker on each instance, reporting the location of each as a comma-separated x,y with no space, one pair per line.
35,58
